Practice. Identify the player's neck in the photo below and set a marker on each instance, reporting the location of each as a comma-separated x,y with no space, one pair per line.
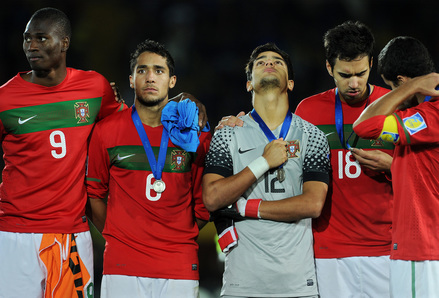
150,115
272,108
47,78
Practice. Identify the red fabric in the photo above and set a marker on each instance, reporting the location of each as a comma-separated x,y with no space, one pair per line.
370,128
356,217
42,190
415,179
252,208
228,238
148,234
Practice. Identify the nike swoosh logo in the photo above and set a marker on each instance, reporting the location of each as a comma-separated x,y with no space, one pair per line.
25,120
124,157
328,134
244,151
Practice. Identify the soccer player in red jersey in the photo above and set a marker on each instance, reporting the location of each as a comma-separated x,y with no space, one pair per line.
46,116
352,236
408,117
155,207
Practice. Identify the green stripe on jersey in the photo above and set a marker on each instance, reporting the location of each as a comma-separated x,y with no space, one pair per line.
134,158
51,116
355,141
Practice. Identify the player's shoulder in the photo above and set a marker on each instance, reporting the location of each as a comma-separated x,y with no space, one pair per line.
10,83
305,126
316,101
325,95
226,133
75,73
114,121
378,91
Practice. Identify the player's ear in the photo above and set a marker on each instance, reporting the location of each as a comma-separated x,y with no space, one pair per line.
290,85
131,82
172,81
249,86
65,43
329,68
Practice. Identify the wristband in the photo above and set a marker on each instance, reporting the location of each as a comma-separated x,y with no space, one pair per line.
252,208
248,208
259,166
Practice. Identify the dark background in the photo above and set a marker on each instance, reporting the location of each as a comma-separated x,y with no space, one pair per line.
211,41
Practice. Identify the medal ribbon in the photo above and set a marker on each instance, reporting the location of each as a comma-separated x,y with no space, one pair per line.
339,118
156,166
268,133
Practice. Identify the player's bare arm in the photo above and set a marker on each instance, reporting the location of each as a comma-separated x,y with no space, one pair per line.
97,213
307,205
373,159
219,192
388,103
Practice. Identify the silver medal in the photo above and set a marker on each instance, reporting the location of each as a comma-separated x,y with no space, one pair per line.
281,174
159,186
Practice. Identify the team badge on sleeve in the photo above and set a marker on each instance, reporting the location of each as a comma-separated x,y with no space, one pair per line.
414,123
293,148
82,112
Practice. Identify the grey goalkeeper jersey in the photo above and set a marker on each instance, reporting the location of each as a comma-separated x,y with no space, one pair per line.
271,259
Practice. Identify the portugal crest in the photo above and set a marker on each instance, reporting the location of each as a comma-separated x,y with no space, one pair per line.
82,112
293,148
178,159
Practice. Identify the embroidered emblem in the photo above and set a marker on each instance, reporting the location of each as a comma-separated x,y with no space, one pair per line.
376,143
414,123
293,148
82,112
178,159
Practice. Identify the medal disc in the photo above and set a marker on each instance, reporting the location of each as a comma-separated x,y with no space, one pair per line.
159,186
281,174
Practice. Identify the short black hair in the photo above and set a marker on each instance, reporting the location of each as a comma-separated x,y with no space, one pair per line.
268,47
153,47
57,18
348,41
406,56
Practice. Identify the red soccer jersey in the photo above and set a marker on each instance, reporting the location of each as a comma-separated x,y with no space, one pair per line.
148,234
414,171
44,133
356,218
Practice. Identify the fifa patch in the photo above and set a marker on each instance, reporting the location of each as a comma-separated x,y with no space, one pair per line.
309,282
414,123
178,159
395,246
82,112
194,267
389,137
293,148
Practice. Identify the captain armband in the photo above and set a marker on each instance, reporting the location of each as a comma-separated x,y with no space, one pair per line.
390,130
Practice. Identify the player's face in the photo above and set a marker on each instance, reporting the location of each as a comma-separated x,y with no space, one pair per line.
351,78
151,80
269,71
44,48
